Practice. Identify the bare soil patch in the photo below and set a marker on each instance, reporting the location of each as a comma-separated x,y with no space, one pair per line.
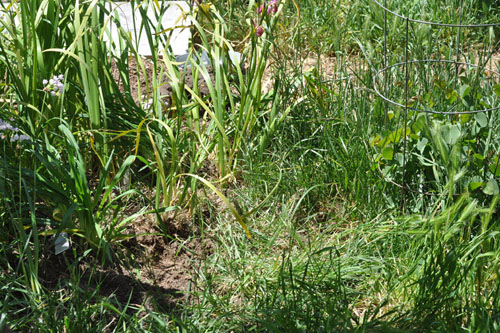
153,271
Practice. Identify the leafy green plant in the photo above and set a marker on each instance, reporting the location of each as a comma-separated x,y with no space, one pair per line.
439,152
426,153
78,201
75,206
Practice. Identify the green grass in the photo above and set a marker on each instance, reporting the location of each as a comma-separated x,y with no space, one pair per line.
288,184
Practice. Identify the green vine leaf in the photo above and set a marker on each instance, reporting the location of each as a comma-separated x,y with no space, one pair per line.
496,89
491,187
481,119
388,153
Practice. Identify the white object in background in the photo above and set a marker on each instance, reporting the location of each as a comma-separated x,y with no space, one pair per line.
130,19
62,243
235,58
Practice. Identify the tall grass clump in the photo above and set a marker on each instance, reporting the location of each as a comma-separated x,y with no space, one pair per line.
51,64
231,119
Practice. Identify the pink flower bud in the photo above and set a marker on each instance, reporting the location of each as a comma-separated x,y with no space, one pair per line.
260,9
259,31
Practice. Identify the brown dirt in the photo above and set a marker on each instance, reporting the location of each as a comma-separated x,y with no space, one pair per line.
329,68
140,80
154,271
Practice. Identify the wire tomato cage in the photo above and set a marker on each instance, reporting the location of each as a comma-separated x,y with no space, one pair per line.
453,86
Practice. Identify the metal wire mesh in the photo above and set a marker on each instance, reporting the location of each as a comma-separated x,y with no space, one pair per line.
432,85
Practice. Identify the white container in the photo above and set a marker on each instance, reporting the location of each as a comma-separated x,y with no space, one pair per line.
173,18
131,22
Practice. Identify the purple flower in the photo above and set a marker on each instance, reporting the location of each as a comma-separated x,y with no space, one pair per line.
6,126
19,138
54,85
259,31
272,7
